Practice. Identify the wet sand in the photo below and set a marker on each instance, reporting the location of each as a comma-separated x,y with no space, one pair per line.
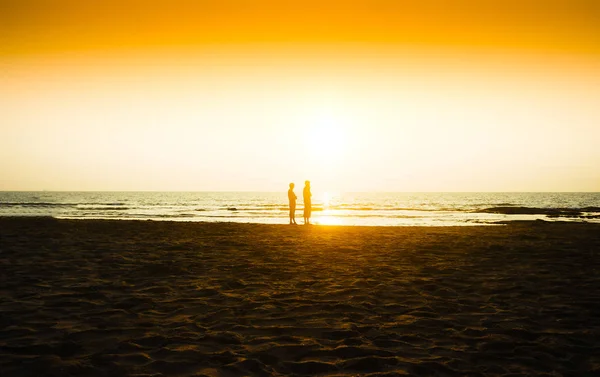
146,298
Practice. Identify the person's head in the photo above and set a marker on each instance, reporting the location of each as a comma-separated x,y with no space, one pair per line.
291,185
307,183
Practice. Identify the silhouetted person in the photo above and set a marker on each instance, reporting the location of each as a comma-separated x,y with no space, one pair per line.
292,199
307,202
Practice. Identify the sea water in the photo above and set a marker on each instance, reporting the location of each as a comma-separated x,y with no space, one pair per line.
388,209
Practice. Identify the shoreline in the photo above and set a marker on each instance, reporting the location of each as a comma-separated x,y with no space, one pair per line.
369,209
283,222
139,297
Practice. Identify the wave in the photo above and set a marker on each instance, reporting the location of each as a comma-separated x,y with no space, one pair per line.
133,216
102,204
103,208
54,204
584,212
265,215
316,208
167,216
37,204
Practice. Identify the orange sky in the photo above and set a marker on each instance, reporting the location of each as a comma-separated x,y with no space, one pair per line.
30,26
429,95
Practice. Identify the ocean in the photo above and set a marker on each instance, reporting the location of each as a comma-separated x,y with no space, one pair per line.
370,209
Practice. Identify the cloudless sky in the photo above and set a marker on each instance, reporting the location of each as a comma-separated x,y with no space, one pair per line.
241,95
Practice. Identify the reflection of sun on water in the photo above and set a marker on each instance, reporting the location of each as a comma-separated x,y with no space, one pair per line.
327,215
326,199
329,220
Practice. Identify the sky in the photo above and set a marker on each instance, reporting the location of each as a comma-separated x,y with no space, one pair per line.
240,95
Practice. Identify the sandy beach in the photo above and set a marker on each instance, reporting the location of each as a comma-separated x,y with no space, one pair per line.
147,298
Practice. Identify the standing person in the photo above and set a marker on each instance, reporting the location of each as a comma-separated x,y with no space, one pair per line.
292,199
307,202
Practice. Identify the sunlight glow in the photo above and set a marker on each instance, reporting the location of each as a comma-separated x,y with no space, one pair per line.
326,199
249,96
327,141
329,220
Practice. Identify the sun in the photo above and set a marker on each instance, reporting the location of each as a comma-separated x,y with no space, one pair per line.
328,139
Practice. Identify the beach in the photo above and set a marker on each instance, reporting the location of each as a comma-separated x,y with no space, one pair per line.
153,298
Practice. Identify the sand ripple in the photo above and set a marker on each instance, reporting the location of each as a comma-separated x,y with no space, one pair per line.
115,298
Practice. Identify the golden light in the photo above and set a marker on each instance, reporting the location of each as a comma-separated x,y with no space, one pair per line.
327,142
326,200
329,220
427,96
328,216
